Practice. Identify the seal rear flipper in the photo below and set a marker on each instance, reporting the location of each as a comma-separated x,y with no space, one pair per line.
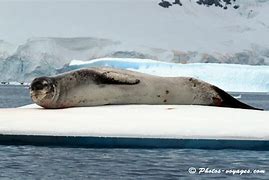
111,77
228,101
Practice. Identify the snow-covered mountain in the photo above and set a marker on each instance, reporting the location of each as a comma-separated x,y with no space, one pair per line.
218,3
187,31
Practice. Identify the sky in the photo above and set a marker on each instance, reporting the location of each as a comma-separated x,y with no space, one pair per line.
20,20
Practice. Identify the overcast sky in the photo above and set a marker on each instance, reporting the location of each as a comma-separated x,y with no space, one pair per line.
20,20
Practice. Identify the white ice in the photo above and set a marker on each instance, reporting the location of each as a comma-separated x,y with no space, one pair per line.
155,121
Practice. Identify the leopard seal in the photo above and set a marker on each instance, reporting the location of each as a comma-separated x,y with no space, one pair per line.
103,86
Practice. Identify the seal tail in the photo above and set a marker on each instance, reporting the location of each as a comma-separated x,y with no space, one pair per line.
229,101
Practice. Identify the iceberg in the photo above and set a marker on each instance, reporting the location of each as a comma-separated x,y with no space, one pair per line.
230,77
137,126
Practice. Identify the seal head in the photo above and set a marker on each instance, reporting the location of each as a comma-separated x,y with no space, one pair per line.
43,91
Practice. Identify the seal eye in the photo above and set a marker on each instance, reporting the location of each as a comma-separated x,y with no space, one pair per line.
37,86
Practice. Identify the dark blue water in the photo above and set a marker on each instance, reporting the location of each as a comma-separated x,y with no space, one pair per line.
31,162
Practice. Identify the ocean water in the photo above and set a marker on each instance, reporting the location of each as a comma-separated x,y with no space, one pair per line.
14,96
32,162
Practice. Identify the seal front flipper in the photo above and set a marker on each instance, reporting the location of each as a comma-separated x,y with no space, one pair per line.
112,77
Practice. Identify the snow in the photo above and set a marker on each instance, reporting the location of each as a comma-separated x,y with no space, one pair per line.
143,121
14,83
230,77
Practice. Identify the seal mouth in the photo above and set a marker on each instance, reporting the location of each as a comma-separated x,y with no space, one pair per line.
42,90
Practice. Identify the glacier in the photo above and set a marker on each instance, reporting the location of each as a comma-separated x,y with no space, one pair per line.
6,49
230,77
